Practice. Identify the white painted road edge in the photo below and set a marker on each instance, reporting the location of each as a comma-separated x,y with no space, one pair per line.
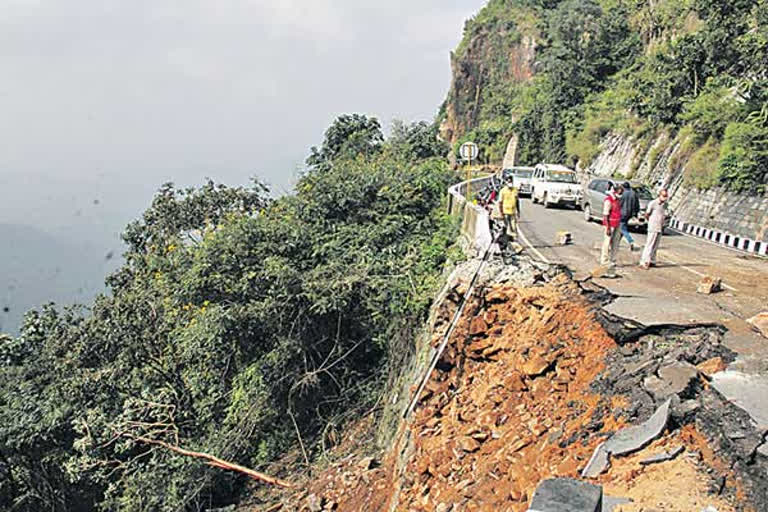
530,245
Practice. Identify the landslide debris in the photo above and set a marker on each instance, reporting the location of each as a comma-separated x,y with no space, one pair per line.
530,384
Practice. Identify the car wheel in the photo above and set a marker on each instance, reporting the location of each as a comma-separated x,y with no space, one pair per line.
587,212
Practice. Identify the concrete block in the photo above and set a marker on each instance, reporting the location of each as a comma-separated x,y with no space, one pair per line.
566,495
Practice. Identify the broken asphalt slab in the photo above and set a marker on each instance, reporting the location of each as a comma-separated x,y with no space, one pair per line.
747,391
673,379
628,440
567,495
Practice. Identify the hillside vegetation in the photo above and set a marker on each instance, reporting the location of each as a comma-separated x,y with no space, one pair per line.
696,70
238,326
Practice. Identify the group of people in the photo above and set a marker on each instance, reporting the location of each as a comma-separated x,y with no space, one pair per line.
622,204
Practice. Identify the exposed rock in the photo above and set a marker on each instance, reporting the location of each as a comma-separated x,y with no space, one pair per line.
567,495
685,409
534,366
469,444
709,284
760,323
478,326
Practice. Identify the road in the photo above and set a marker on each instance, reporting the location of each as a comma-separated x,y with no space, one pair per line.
665,294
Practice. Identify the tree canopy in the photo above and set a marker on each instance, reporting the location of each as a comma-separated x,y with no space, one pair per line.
238,323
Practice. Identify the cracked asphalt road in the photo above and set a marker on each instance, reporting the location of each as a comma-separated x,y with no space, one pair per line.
667,294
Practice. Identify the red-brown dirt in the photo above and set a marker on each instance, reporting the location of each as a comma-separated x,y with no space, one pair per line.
507,406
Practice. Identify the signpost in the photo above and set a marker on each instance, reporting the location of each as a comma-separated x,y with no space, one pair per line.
468,152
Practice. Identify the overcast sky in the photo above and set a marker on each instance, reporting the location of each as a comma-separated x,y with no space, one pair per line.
102,101
107,99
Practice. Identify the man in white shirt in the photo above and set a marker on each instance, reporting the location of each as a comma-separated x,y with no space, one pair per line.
657,213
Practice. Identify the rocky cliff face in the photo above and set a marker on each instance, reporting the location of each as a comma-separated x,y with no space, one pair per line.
661,163
477,66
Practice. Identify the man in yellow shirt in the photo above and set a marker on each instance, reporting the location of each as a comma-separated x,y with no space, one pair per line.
510,208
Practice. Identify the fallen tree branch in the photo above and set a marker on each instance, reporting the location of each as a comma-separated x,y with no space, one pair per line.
214,461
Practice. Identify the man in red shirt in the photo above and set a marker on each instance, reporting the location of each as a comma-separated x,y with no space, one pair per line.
611,222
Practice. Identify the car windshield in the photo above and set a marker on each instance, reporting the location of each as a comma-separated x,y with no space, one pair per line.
643,192
523,174
561,176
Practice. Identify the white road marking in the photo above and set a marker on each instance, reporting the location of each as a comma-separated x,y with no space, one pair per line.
698,273
529,244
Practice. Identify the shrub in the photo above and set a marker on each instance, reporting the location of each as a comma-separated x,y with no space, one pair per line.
701,170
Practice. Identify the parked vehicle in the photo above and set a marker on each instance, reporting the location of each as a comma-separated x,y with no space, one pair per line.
489,193
553,184
521,178
594,196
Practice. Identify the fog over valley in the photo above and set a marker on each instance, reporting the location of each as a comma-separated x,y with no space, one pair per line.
105,100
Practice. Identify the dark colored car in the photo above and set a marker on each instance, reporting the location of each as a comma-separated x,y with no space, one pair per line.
597,189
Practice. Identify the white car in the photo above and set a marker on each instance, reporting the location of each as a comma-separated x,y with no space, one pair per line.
555,185
521,179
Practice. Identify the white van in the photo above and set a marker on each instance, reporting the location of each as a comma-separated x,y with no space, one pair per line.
555,184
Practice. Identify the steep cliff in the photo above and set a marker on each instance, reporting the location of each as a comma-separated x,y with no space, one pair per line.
489,58
495,57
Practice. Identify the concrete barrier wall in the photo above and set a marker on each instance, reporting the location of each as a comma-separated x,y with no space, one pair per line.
474,219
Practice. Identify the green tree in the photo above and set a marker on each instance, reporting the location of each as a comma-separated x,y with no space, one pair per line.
349,135
417,140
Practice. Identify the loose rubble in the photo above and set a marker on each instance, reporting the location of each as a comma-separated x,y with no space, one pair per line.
533,386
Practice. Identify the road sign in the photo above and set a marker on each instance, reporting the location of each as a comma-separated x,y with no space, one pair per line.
469,151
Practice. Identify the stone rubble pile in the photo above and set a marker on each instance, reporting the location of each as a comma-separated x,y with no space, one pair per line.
532,389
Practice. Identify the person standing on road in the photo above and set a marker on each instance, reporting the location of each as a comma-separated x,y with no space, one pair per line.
510,208
657,213
630,207
611,222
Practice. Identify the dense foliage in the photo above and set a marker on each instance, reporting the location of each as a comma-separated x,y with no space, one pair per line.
237,324
637,68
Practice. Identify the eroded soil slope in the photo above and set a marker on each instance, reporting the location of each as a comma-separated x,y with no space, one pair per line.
529,385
